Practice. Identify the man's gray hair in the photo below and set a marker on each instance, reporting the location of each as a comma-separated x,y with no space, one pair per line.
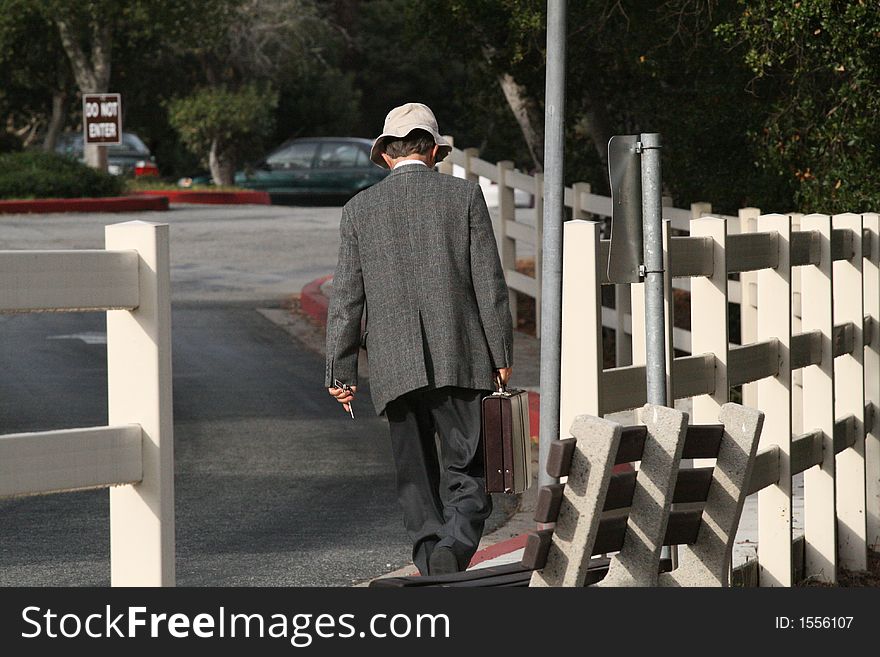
416,141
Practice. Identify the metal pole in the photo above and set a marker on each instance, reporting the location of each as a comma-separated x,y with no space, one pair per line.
554,188
655,320
655,314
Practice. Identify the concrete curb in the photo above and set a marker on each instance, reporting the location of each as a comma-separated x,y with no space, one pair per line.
313,301
208,197
109,204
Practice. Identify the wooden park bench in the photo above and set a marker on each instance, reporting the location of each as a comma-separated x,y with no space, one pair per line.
597,511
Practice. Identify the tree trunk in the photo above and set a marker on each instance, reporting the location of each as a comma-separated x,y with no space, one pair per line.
528,115
597,122
56,120
92,73
221,165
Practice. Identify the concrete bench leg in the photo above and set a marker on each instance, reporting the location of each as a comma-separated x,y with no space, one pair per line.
707,562
582,503
638,562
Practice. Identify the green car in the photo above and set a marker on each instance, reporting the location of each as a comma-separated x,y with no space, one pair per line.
319,168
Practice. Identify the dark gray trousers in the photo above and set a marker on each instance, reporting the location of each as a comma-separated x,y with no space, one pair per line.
444,500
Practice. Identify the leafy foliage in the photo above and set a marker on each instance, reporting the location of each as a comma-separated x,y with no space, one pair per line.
817,71
233,122
766,102
34,174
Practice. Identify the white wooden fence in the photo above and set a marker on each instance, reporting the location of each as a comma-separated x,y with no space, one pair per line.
835,442
517,225
134,455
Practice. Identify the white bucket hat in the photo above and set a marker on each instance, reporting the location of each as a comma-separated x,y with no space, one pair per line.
401,121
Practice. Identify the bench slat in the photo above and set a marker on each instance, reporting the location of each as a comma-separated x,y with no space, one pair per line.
537,547
547,504
559,457
690,486
507,575
703,441
682,529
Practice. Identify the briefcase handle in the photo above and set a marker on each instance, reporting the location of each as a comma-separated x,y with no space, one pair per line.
501,389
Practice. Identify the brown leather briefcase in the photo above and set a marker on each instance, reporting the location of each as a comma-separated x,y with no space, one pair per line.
506,441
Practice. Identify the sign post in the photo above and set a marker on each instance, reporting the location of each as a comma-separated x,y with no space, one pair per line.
636,250
102,125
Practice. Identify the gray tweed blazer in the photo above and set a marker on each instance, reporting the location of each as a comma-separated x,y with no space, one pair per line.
417,250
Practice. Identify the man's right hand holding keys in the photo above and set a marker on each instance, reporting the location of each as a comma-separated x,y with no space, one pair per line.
344,395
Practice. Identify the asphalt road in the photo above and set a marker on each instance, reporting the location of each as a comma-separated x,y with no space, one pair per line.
274,485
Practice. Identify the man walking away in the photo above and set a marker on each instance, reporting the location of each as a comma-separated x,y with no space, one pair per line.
418,257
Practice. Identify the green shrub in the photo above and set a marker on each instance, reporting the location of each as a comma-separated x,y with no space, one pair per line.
36,174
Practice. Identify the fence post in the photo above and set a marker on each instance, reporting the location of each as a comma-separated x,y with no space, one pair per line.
700,209
470,153
709,331
797,377
774,393
871,276
581,367
622,339
850,400
748,306
139,392
820,519
539,247
506,245
577,203
445,166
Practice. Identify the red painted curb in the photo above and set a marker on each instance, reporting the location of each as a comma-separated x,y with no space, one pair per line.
109,204
499,549
211,198
313,302
534,415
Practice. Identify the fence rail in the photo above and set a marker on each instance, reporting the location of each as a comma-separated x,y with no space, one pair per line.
70,459
134,454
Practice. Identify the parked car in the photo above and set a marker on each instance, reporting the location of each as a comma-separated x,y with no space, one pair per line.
317,167
131,157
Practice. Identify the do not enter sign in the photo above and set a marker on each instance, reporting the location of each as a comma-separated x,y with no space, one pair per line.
102,118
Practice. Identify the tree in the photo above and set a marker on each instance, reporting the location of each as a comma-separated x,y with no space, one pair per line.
89,30
505,36
225,124
817,68
633,66
33,95
281,45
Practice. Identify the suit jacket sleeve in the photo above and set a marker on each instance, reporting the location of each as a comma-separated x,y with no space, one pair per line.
489,284
346,309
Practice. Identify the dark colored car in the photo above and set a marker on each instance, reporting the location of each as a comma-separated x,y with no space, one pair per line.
326,167
131,157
